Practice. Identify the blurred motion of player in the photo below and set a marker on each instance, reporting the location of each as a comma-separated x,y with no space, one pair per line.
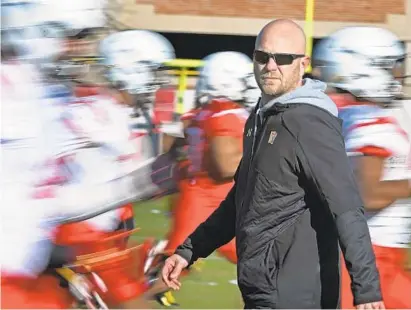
212,144
25,240
213,138
132,61
209,152
135,60
27,228
358,63
134,66
91,141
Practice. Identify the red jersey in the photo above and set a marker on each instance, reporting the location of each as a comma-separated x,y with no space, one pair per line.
220,117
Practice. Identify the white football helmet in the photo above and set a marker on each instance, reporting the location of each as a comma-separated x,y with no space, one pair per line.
75,15
58,64
229,75
360,60
20,34
134,60
67,23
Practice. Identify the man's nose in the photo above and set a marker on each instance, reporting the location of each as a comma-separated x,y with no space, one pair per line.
271,64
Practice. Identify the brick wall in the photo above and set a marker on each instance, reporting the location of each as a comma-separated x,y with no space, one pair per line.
373,11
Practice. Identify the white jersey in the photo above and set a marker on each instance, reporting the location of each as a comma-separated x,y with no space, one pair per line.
36,142
370,130
25,230
93,143
102,165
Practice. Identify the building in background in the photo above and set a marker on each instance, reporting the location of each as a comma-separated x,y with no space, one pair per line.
246,17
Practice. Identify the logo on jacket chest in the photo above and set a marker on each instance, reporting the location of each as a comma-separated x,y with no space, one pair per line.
272,136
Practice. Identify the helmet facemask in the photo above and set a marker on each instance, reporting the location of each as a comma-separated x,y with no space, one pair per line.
366,62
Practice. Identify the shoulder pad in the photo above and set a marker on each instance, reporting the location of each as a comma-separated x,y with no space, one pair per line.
220,104
378,130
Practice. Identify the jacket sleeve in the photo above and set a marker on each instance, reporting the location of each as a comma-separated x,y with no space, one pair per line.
327,168
216,231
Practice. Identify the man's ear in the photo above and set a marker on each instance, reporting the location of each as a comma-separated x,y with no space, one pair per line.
305,62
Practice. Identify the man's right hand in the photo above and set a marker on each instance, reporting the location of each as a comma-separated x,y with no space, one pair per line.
172,269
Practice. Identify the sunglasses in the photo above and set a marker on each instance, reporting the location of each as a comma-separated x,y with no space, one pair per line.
280,59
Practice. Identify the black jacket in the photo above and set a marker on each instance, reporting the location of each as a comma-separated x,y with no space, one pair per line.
294,198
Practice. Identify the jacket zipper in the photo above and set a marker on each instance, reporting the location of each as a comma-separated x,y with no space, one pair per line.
253,145
255,133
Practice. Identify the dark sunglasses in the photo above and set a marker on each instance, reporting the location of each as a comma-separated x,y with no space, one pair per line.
280,59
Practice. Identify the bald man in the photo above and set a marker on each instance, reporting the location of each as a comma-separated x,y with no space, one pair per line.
294,198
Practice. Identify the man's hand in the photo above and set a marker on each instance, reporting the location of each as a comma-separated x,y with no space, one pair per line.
372,305
172,269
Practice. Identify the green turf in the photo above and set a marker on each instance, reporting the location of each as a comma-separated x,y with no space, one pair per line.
208,289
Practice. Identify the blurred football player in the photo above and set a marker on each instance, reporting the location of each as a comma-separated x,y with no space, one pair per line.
214,144
28,214
358,63
210,151
134,66
25,240
93,142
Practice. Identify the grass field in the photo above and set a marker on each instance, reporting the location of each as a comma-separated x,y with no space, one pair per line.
208,289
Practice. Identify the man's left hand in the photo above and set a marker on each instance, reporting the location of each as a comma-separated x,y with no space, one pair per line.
371,305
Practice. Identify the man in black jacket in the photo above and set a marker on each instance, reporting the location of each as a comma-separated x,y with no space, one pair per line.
295,198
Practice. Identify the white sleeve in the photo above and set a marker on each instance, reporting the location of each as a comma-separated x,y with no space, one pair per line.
120,138
84,123
389,138
25,239
110,128
172,129
101,193
385,140
78,202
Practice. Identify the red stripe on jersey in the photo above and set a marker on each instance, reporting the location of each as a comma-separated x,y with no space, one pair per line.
86,91
71,126
374,151
381,121
344,100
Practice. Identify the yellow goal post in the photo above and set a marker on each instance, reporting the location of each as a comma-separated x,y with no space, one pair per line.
183,68
309,29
